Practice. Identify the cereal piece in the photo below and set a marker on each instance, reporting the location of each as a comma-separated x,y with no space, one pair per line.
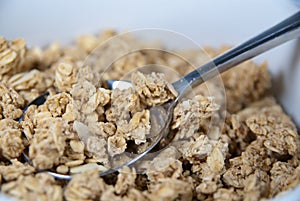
57,104
74,151
27,123
210,180
87,42
121,159
168,189
51,54
97,147
137,128
94,145
283,177
207,187
255,157
91,74
11,142
245,84
41,115
134,194
237,128
106,34
128,62
6,124
89,100
103,96
77,146
29,80
74,163
224,194
33,58
29,95
165,165
10,102
87,167
238,132
12,54
153,88
140,124
109,194
234,176
116,145
216,161
96,99
189,114
85,186
103,129
257,186
69,114
197,150
123,104
280,135
81,93
63,169
83,131
15,170
126,180
48,144
41,186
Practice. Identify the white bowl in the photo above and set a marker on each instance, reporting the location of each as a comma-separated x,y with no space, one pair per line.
208,22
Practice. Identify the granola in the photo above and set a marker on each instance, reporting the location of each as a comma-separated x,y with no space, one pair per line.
126,180
170,189
11,103
15,170
65,74
189,114
48,144
153,89
255,86
84,128
12,56
165,165
11,142
34,187
85,186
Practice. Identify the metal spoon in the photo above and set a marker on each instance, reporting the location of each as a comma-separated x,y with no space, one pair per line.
162,115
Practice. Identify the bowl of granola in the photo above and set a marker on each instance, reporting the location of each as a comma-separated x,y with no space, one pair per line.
233,138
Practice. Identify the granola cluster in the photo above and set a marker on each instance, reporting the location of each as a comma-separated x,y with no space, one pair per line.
11,142
153,89
249,152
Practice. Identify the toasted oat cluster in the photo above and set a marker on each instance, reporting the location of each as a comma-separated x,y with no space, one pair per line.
247,149
153,89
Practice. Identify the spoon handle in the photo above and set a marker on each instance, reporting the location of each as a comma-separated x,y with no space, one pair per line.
272,37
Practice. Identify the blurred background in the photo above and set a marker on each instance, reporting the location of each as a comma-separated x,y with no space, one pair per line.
41,22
